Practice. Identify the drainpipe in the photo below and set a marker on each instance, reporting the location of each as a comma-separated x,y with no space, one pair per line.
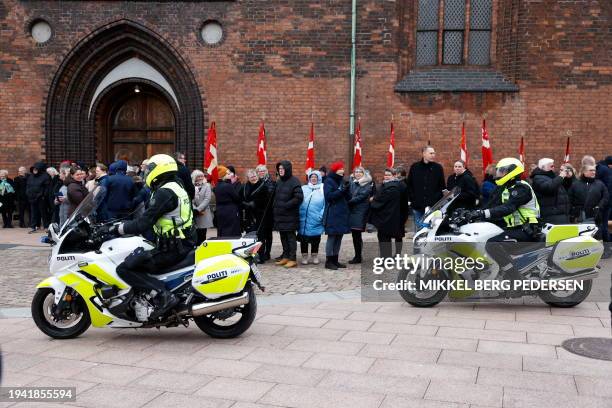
353,81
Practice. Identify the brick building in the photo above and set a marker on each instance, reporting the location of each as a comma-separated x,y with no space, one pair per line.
87,79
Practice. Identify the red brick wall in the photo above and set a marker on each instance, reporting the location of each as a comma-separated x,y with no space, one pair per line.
288,60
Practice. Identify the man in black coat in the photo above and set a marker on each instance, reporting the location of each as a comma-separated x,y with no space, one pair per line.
22,199
184,174
552,196
425,183
386,214
37,188
267,226
465,181
287,199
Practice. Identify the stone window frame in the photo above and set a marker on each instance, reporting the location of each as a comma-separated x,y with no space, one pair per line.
466,37
224,32
29,24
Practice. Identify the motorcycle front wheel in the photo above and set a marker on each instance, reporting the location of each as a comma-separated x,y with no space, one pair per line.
567,298
230,323
73,325
419,298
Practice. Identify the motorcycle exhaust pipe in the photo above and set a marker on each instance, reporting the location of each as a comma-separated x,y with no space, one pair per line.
205,308
579,276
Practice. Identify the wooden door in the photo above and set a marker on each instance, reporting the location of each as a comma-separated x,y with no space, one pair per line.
143,125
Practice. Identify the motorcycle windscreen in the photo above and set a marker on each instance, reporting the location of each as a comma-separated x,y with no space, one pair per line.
220,275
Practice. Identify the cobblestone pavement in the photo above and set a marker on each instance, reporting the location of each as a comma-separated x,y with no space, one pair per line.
25,265
342,354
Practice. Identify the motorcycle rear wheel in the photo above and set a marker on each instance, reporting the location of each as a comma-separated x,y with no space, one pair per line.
247,313
64,329
571,300
416,298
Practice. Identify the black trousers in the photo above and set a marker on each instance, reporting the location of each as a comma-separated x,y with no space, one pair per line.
7,217
289,243
497,247
23,207
314,244
201,233
136,267
39,212
265,237
384,245
357,242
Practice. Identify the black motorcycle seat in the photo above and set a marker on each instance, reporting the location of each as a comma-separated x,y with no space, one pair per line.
189,260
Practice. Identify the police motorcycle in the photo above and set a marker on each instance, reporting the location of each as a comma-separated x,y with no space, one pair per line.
215,283
564,252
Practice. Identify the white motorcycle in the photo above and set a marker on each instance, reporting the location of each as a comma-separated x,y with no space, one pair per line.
565,252
214,283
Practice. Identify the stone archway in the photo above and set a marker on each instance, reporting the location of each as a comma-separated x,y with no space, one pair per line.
74,96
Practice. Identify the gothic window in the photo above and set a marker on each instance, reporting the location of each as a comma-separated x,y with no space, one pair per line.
453,32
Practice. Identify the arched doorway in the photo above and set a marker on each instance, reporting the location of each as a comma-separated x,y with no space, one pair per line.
135,121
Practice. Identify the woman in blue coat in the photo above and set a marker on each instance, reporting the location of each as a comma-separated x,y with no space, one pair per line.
311,217
360,188
336,213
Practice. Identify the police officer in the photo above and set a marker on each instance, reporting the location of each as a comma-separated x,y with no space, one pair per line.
170,217
514,207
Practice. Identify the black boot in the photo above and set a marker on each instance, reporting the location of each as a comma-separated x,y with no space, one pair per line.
329,263
164,302
355,260
338,264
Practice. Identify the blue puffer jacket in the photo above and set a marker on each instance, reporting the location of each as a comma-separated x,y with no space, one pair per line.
336,217
312,208
120,190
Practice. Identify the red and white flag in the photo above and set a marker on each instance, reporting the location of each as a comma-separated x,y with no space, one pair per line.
310,158
522,158
391,152
357,148
464,151
262,156
487,152
566,159
210,155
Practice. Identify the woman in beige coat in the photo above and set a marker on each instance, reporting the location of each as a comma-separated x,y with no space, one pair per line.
201,205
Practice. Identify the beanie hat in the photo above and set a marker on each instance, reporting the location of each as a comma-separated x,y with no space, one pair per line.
609,160
222,171
334,167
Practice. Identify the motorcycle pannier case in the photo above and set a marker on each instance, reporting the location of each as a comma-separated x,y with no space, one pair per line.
577,254
220,275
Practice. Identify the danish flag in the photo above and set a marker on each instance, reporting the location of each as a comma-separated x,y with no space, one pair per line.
210,157
391,152
262,156
464,152
310,160
522,158
487,152
566,159
357,149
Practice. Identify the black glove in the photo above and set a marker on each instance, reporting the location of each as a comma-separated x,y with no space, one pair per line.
475,215
106,232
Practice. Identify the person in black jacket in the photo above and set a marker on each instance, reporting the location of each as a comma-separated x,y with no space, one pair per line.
54,187
385,214
254,200
336,214
265,230
425,183
37,188
23,206
287,199
228,205
464,179
184,174
588,196
7,199
551,193
359,204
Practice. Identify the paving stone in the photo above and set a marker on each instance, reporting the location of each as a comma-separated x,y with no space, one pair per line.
18,361
452,322
276,341
235,389
368,337
384,317
288,375
118,356
306,397
338,362
375,383
393,401
170,399
436,342
110,396
395,352
347,324
588,331
550,319
112,374
530,327
241,404
262,328
81,386
60,367
503,314
72,351
224,368
590,368
482,334
14,379
322,313
278,357
423,370
527,380
225,351
503,347
168,361
545,338
406,309
452,391
350,305
311,333
597,387
475,359
521,398
131,341
398,328
326,346
170,381
294,320
26,346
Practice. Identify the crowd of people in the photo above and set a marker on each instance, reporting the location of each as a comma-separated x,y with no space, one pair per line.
325,202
